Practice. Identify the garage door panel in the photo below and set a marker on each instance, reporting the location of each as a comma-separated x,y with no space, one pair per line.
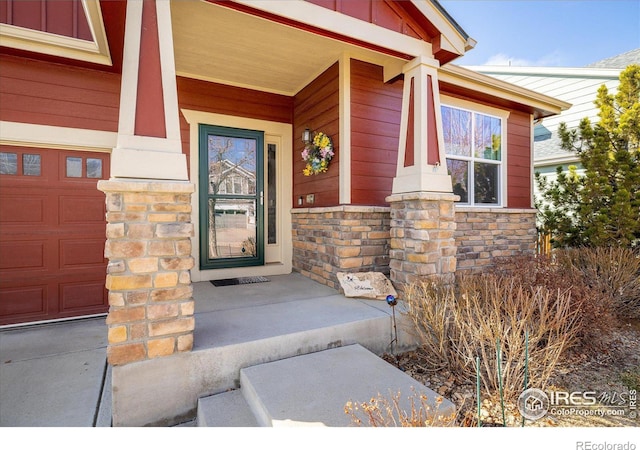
20,255
23,302
81,210
19,209
82,254
85,297
52,234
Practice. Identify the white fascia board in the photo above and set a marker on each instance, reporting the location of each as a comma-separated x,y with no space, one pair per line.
569,72
326,19
489,85
450,35
556,160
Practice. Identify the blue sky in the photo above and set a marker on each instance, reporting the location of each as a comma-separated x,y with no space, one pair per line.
546,32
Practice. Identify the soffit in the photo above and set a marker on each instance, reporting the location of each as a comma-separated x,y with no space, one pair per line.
219,44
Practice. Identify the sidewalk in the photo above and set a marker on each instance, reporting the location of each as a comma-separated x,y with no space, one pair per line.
52,375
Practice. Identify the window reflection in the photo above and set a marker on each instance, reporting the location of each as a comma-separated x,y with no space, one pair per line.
231,178
8,163
74,167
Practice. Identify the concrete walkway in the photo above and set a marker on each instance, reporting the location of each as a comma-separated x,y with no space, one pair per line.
53,375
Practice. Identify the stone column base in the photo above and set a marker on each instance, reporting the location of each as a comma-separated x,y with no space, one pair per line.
422,237
149,249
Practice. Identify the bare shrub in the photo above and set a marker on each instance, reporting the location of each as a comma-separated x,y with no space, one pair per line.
613,273
554,274
384,411
456,323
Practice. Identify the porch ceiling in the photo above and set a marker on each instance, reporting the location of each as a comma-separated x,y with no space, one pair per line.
214,43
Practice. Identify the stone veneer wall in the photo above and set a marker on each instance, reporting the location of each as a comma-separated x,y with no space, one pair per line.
484,234
359,239
149,249
422,237
340,239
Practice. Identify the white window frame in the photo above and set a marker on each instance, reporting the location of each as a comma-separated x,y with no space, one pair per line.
501,114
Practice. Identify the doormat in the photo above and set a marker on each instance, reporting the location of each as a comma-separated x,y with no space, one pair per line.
240,280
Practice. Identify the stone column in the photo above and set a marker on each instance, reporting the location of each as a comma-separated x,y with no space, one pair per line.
422,213
422,237
149,250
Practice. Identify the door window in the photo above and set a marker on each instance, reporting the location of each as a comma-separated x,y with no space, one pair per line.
231,197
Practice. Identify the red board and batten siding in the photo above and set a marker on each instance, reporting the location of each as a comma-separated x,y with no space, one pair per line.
216,98
63,17
383,13
519,160
150,120
54,94
375,127
317,107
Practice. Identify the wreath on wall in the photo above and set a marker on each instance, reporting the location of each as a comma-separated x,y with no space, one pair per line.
317,154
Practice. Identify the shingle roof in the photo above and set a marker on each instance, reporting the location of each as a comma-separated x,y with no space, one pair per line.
550,146
619,61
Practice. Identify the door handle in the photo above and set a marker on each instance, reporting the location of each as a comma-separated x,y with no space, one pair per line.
261,198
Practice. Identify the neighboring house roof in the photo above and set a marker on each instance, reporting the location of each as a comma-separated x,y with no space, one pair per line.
577,86
619,61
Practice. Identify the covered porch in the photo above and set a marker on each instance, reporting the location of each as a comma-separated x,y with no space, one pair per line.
275,68
247,325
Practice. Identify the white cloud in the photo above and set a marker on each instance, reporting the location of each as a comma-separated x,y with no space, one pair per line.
500,59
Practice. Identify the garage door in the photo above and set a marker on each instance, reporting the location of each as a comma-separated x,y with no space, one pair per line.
52,234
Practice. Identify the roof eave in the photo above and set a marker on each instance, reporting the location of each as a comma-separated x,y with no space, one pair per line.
581,72
543,105
453,37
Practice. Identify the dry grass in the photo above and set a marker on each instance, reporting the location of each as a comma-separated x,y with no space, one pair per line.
570,300
384,411
457,323
613,273
596,316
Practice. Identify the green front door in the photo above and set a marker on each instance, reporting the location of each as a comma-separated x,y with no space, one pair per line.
231,197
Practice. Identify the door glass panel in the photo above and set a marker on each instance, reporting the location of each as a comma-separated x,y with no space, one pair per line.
232,228
31,165
233,197
232,165
74,167
271,194
94,168
8,163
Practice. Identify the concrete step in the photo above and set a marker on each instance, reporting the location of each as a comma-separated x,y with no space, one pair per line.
312,390
228,409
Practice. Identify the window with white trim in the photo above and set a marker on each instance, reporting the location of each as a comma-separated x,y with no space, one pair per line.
473,145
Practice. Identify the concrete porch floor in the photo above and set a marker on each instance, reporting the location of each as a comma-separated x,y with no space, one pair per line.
236,327
285,305
242,326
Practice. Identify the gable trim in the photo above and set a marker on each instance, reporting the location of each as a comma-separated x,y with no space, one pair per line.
334,25
96,51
